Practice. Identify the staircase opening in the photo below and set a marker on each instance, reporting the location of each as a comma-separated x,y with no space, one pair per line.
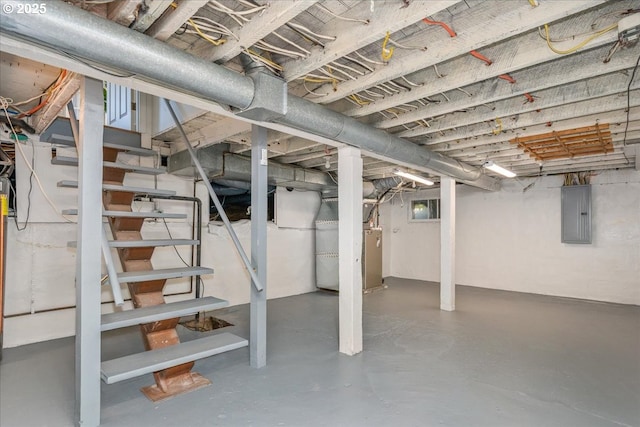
205,324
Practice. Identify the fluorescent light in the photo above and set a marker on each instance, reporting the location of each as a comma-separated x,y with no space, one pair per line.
413,177
498,169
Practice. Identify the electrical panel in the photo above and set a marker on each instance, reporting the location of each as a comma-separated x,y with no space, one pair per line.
576,214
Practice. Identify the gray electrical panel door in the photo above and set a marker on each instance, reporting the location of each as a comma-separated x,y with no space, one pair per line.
576,214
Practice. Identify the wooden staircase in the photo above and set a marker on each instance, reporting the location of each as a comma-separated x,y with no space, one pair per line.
169,360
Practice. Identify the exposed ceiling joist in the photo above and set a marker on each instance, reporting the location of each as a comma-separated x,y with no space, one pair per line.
270,19
469,37
350,36
155,9
597,87
174,18
550,115
534,79
123,12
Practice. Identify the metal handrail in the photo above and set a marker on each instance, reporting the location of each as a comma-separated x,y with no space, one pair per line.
216,201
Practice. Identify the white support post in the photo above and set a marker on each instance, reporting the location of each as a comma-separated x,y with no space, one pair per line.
88,272
350,248
258,320
447,244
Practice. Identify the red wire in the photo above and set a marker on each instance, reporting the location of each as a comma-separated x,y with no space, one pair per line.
481,57
507,77
442,24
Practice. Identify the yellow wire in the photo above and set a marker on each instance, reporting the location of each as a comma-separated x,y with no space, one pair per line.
204,36
499,128
262,58
579,45
386,53
359,100
533,3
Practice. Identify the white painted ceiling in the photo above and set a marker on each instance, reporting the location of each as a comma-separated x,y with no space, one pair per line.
429,89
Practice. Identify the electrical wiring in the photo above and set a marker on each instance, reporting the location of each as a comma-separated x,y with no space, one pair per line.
464,91
306,30
213,26
371,61
218,7
355,61
579,45
336,64
270,64
342,18
310,92
305,36
445,96
274,49
384,89
507,77
401,46
442,24
359,101
410,83
386,53
297,46
481,57
498,129
399,86
372,93
49,92
329,73
205,36
435,67
533,3
31,166
626,126
164,221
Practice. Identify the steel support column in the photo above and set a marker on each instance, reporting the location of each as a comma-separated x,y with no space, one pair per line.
350,249
258,334
88,272
447,244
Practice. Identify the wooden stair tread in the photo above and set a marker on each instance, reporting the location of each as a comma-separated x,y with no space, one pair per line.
134,365
122,319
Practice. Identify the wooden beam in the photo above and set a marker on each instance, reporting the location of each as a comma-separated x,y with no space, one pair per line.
43,118
261,25
173,19
155,9
123,12
351,36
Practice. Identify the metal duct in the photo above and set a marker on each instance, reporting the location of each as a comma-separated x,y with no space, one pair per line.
77,32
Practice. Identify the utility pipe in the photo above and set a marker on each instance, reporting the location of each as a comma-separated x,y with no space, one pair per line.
79,33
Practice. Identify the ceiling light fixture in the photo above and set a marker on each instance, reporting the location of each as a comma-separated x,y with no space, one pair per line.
498,169
413,177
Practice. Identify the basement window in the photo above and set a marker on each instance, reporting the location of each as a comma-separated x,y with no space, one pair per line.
424,210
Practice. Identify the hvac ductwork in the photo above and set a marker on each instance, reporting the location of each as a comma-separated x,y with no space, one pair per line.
79,33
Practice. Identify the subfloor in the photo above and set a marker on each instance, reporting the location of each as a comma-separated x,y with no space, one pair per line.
502,359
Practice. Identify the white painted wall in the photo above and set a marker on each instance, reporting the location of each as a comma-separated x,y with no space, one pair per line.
511,240
41,268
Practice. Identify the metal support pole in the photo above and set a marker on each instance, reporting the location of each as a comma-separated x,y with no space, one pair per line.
89,263
258,335
447,244
350,249
254,278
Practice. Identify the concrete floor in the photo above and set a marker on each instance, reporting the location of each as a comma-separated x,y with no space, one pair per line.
502,359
